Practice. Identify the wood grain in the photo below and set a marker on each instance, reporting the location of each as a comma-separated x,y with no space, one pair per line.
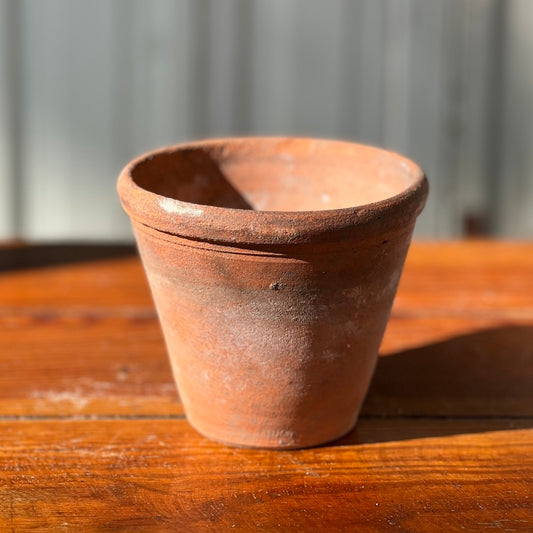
162,476
118,366
72,281
469,278
93,436
487,373
88,364
79,334
449,278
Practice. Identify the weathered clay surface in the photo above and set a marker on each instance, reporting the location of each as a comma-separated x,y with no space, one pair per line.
273,264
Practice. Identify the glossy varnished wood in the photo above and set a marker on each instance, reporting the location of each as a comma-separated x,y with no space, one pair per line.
93,435
161,476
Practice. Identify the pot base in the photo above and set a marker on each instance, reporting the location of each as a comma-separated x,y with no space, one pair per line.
253,442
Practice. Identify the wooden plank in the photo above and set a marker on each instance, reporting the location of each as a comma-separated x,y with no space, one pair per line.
407,331
84,365
72,286
160,475
106,365
473,279
93,436
82,338
487,373
468,278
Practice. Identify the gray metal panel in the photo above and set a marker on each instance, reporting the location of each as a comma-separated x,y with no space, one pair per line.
85,86
9,119
514,185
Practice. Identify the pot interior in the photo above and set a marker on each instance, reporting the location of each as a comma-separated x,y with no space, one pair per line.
276,174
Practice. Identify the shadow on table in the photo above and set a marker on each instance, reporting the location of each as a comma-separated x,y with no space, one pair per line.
21,257
473,383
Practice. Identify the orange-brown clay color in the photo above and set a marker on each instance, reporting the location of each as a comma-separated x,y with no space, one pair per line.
273,263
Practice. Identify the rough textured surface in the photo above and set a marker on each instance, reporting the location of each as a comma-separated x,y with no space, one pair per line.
273,317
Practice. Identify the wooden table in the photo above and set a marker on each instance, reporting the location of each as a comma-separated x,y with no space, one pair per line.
93,435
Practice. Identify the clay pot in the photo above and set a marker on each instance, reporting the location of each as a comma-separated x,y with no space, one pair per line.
273,264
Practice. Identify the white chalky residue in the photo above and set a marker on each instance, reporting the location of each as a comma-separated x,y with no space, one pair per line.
74,397
326,198
171,206
289,158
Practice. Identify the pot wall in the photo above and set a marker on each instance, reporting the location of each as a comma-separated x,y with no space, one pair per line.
273,346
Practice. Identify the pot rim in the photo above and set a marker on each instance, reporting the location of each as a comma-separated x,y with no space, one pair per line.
242,226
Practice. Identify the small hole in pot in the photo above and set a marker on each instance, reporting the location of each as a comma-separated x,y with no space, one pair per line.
276,285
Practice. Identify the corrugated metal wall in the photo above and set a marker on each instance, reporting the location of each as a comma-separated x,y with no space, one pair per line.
84,86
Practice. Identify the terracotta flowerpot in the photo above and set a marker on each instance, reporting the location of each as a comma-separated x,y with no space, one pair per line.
273,263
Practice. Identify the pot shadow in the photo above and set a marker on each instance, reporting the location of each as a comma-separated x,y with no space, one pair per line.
190,176
23,257
468,384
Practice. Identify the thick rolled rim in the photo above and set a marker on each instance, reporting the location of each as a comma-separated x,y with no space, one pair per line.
242,226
